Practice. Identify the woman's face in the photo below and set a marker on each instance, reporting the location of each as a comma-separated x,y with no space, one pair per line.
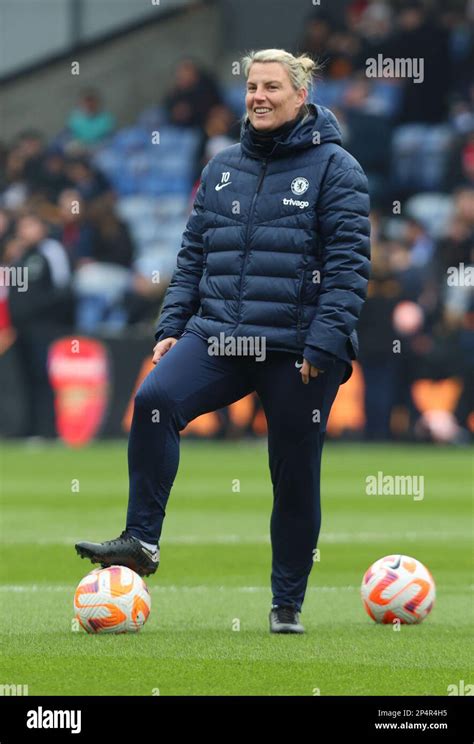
271,99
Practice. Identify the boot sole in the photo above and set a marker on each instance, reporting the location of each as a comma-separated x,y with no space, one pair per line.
85,553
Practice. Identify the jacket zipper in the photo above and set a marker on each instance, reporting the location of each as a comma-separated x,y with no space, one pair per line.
300,305
301,289
249,223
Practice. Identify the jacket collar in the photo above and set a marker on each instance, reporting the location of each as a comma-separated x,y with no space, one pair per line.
300,136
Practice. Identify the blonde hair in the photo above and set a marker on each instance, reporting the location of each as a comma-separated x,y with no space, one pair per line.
300,69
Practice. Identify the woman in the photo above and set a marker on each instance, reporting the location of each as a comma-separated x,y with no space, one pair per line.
276,250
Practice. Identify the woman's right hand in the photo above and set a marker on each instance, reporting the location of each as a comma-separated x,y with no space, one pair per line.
162,347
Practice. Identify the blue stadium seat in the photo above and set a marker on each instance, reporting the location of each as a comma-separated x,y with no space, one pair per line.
136,208
131,138
433,210
234,98
329,93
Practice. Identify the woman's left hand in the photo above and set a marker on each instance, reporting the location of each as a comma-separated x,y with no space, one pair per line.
308,370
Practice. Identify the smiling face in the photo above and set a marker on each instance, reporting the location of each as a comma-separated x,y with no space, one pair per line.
271,99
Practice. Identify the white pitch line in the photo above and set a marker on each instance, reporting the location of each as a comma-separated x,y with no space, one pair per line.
329,538
173,588
19,588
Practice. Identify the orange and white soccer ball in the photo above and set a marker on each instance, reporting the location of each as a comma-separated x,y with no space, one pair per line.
398,587
112,600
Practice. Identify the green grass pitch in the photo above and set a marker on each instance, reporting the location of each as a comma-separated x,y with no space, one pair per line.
214,576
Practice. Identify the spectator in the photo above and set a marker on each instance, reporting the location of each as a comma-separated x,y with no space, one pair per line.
30,145
88,180
3,164
49,176
461,47
316,37
374,27
461,171
221,129
419,242
422,38
75,233
39,315
113,243
343,53
7,333
455,252
367,135
191,96
376,336
6,231
102,283
89,124
15,191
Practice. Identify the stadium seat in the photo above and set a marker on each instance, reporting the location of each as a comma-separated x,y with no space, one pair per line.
131,138
135,208
419,156
152,118
234,98
433,210
329,92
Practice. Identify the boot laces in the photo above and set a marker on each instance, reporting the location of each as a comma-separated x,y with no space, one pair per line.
123,536
286,614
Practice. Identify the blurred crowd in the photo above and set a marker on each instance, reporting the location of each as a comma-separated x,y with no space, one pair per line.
74,209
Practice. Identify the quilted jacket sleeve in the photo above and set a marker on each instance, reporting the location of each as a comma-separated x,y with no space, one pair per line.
344,226
182,296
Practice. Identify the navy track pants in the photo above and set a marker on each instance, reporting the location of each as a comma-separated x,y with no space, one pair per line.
187,382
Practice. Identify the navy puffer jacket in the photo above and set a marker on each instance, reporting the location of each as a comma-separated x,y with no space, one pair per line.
278,246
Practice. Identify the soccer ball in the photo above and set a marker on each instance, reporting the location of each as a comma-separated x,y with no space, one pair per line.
112,600
398,587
